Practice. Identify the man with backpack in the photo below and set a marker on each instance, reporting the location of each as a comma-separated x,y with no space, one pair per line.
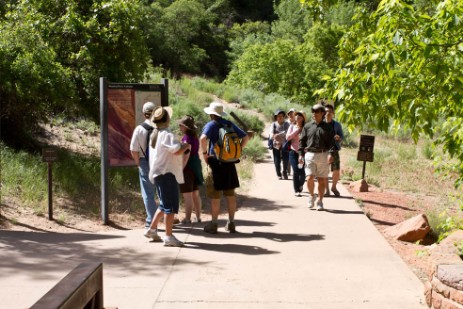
226,141
139,150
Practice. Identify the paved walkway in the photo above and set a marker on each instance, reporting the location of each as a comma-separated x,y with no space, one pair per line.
284,256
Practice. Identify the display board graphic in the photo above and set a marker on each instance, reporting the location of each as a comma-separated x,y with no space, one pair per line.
125,103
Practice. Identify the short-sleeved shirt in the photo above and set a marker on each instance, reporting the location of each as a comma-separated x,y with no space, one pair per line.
139,137
163,159
193,141
316,138
211,130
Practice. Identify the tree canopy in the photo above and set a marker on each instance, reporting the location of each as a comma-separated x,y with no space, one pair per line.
401,70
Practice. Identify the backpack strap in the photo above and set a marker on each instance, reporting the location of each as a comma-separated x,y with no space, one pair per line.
150,130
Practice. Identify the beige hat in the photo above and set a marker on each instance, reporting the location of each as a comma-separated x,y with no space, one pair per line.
188,122
159,113
291,110
148,107
301,113
215,109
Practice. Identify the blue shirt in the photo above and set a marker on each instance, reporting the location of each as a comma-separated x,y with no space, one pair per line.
211,130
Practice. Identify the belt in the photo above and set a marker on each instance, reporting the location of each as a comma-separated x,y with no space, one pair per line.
316,150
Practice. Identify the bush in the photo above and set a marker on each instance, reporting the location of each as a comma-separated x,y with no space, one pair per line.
255,150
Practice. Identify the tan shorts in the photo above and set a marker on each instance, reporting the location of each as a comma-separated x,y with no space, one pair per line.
211,192
316,164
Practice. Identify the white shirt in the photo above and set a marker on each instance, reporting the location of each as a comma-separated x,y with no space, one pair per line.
139,137
163,159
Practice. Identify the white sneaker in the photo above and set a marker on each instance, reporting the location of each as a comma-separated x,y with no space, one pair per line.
320,206
153,234
311,201
171,241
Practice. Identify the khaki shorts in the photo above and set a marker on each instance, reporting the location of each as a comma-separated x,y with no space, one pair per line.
316,164
211,192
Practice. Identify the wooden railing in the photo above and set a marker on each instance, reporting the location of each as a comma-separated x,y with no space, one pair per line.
82,288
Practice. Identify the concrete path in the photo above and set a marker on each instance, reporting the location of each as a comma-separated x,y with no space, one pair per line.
283,256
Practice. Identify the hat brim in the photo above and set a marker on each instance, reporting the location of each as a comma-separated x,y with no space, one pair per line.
184,125
210,111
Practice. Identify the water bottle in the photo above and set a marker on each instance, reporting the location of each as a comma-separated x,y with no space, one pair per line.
300,165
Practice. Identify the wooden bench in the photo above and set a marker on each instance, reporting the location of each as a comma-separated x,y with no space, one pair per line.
82,288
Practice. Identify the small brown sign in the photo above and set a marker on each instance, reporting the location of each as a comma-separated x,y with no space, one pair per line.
367,144
49,155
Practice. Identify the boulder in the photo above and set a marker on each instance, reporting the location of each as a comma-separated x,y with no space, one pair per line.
359,186
410,230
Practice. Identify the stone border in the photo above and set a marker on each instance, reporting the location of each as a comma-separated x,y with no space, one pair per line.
444,290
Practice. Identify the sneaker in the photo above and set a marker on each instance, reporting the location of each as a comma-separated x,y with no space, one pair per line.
280,178
311,201
153,234
327,193
171,241
335,191
230,227
186,221
198,220
285,176
320,206
211,228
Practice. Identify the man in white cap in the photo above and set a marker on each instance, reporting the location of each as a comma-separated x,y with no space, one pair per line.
139,150
224,175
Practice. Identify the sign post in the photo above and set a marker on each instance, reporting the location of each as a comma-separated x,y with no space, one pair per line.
365,153
50,155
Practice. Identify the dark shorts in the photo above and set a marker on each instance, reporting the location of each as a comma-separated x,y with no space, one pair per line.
190,183
336,165
167,189
222,177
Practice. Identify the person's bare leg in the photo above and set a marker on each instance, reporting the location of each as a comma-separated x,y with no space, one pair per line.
231,205
188,199
157,217
322,181
169,219
215,209
311,184
197,204
335,179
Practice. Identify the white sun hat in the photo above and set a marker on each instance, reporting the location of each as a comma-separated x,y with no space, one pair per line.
215,108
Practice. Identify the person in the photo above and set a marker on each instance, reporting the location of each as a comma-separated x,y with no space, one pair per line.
222,176
293,135
291,119
166,172
278,134
291,115
315,148
139,151
338,137
192,172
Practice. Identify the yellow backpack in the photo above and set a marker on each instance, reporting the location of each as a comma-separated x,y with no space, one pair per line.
228,147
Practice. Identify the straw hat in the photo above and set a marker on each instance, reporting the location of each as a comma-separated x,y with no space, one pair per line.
301,113
159,113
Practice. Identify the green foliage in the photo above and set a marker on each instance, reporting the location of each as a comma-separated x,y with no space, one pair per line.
254,150
402,67
459,246
444,225
74,44
293,21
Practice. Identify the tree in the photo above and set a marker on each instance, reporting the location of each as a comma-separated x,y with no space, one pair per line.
74,43
402,69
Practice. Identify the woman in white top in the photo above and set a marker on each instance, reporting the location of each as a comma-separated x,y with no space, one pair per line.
166,157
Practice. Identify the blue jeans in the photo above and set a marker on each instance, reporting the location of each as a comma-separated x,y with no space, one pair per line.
298,173
278,156
147,190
